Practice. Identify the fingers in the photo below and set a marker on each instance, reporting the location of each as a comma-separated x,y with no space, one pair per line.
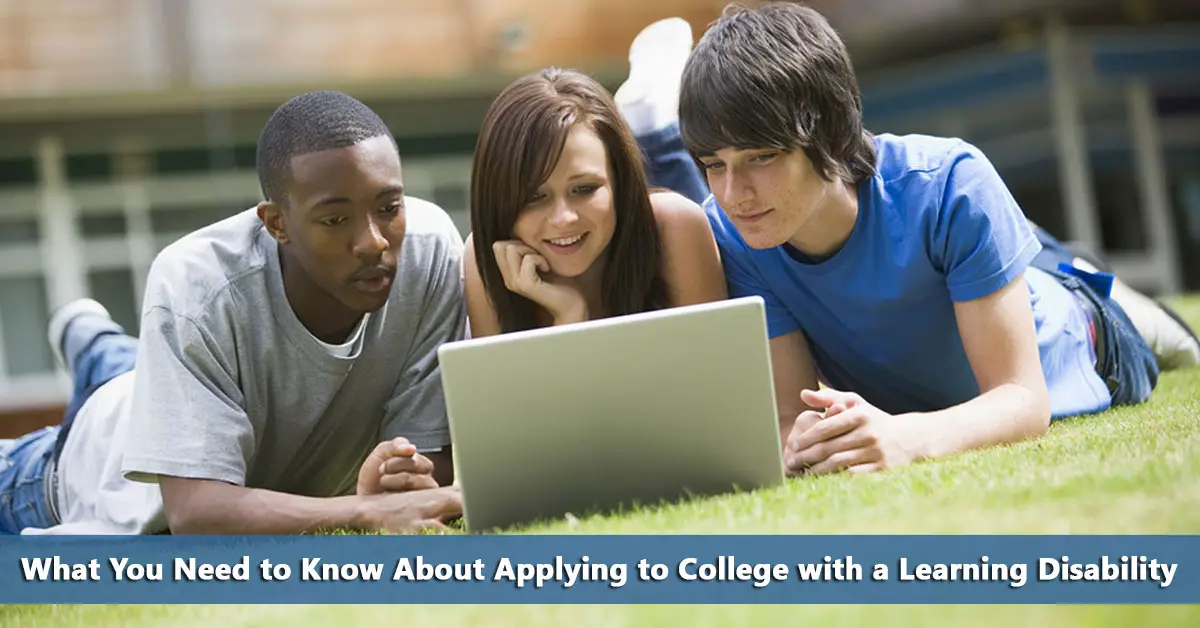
519,265
527,277
384,451
413,472
508,258
827,397
412,463
513,255
404,482
813,458
870,467
542,264
843,460
436,524
409,512
830,428
805,421
500,251
372,469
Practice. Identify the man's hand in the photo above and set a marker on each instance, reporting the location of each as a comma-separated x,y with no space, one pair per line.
403,513
803,422
395,466
849,435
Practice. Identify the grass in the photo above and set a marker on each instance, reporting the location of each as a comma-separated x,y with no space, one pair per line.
1126,471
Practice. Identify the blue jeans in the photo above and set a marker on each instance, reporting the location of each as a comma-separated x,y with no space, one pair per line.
101,351
670,166
1125,362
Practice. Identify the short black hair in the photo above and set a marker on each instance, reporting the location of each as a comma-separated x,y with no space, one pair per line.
777,76
310,123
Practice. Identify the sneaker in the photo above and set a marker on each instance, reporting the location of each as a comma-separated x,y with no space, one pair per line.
1187,353
649,98
62,318
1174,343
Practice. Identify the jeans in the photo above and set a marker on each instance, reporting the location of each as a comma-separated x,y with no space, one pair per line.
670,166
100,351
1126,362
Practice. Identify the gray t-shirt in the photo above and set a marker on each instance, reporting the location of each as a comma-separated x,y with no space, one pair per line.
230,386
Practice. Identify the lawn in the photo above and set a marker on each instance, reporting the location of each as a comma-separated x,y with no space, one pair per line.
1127,471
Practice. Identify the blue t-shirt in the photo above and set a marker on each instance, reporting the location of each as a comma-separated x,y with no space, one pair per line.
936,225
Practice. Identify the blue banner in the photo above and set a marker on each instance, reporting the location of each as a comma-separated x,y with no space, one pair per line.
536,569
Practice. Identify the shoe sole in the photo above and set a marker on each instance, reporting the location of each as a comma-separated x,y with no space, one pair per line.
62,318
1178,319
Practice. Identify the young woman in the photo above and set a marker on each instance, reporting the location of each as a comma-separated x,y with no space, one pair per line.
564,225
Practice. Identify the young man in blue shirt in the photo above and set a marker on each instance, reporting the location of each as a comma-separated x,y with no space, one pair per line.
897,270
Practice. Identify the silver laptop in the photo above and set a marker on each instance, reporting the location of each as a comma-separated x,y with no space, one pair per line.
610,414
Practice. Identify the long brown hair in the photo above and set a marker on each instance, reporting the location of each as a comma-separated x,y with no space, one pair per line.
519,144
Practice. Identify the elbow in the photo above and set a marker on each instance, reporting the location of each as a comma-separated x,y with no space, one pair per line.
179,521
1038,422
191,506
182,520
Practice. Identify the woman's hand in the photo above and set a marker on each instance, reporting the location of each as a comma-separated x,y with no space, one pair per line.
522,269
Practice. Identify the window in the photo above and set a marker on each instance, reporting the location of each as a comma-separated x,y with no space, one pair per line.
23,318
177,221
89,167
114,289
17,172
1118,201
1036,188
107,224
18,231
454,198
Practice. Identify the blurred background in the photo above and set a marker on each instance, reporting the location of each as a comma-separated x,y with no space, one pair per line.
124,124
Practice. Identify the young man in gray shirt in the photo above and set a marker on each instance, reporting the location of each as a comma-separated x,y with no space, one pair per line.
286,375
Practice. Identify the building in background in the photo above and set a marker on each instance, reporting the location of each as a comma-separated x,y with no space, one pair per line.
126,123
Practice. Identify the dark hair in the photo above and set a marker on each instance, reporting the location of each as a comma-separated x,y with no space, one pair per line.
309,123
519,144
776,77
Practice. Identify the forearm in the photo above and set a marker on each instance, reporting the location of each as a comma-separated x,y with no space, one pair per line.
1006,414
220,508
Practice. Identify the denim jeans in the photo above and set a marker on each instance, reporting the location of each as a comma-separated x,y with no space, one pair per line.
101,351
670,166
1126,362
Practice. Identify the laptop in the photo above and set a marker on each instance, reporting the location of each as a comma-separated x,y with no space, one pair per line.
610,414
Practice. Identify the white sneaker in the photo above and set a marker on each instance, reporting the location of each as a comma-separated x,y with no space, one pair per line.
1174,344
1186,353
63,317
649,98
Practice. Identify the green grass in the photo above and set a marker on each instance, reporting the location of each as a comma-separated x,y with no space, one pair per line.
1127,471
600,616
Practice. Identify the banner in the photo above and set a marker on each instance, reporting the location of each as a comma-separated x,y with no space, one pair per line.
657,569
